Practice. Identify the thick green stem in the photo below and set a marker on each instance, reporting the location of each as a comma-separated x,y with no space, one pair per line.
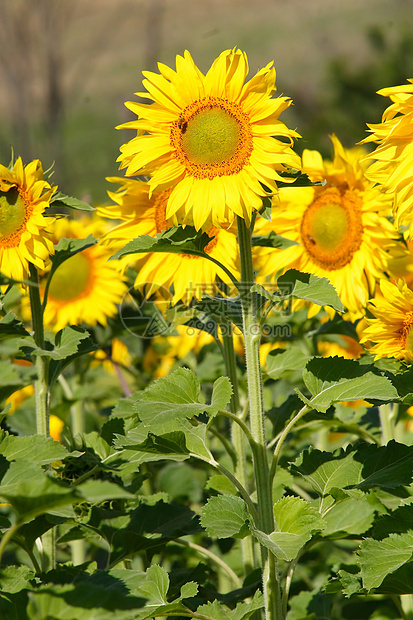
41,394
386,414
272,593
238,438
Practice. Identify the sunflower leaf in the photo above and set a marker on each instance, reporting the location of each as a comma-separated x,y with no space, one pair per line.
177,240
11,326
272,240
225,516
379,558
296,521
58,199
310,288
172,399
344,380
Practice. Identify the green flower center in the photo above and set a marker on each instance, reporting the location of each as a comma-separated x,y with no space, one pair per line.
211,136
71,279
332,228
12,212
329,227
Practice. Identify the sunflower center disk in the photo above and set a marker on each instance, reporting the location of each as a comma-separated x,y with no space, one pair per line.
71,279
211,137
12,212
331,231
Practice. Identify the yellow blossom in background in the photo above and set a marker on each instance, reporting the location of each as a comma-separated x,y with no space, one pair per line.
347,347
17,398
341,229
391,329
119,354
86,287
56,426
165,351
24,196
185,275
212,139
393,165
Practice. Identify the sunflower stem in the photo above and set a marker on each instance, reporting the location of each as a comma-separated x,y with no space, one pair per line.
271,584
238,437
41,394
387,415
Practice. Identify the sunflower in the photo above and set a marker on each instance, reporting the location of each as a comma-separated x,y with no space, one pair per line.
393,168
24,196
212,138
341,228
188,276
391,329
345,346
85,288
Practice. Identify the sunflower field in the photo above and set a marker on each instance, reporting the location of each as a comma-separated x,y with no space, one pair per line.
206,390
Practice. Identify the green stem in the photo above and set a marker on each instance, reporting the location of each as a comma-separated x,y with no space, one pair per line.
272,592
283,435
238,437
386,414
41,394
7,536
406,602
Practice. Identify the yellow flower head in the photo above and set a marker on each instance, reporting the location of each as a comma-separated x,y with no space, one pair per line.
393,168
85,288
188,275
24,196
341,228
347,348
212,138
391,330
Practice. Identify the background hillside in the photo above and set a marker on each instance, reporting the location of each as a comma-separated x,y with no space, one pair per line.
68,66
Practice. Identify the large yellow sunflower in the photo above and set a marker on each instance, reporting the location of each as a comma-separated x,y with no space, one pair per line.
341,228
392,327
393,168
212,138
24,196
186,276
85,288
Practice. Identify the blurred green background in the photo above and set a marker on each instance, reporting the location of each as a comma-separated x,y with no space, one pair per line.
68,66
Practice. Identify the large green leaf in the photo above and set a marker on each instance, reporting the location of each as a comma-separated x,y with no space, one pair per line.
34,448
295,521
379,558
156,585
325,470
272,240
367,467
11,326
225,516
310,288
331,380
177,397
283,360
353,515
59,199
31,491
176,240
